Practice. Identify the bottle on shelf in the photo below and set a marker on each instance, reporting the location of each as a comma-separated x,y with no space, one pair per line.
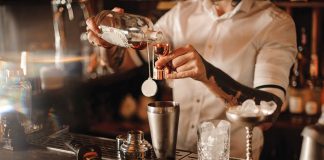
15,95
313,71
311,104
127,30
15,109
298,92
322,97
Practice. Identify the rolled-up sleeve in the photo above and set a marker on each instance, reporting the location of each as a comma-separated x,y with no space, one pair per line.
277,54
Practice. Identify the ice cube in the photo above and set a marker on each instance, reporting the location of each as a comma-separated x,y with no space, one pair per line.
249,108
221,145
223,127
206,129
249,103
268,108
206,140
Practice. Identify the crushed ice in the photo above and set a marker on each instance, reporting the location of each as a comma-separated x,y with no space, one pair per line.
250,109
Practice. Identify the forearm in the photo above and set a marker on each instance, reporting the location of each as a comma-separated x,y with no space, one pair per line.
232,91
118,58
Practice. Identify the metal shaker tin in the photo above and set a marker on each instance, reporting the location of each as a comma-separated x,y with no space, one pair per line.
313,141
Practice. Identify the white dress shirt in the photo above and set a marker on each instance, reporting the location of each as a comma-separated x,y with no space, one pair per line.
255,44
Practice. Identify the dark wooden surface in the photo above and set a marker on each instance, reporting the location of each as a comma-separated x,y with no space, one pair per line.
35,153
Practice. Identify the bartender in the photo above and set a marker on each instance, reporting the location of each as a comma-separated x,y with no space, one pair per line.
224,52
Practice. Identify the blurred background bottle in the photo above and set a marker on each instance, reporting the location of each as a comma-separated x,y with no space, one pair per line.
312,103
298,88
322,97
15,97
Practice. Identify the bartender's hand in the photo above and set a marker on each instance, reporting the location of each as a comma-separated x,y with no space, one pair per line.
187,63
94,32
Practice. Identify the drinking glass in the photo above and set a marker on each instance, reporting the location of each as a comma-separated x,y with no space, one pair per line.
214,140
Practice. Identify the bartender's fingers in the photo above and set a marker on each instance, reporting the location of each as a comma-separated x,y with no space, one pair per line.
92,26
163,60
190,69
193,73
96,40
182,59
179,75
186,67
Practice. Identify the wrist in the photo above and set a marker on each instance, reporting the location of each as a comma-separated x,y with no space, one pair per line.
111,48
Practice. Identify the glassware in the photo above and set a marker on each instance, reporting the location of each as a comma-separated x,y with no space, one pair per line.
214,140
161,49
249,115
127,30
149,87
15,99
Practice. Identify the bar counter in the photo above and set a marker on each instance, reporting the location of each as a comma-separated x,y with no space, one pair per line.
53,148
35,153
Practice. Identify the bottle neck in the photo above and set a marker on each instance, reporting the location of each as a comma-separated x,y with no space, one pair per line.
154,36
303,38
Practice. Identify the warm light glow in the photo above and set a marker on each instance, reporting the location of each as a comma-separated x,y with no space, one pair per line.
5,106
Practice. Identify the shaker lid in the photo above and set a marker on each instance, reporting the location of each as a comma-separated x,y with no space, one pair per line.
315,132
134,143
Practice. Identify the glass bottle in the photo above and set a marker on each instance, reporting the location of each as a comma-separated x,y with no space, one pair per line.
298,91
321,97
304,55
311,104
15,97
127,30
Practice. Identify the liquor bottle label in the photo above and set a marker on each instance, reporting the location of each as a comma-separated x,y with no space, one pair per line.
295,104
311,108
114,36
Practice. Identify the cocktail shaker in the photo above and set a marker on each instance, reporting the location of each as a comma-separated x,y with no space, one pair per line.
313,141
134,146
163,119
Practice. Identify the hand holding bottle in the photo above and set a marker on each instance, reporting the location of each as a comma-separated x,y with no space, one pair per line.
121,29
94,32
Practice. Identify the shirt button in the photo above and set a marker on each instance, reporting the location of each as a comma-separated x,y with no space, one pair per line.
210,46
192,126
198,100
